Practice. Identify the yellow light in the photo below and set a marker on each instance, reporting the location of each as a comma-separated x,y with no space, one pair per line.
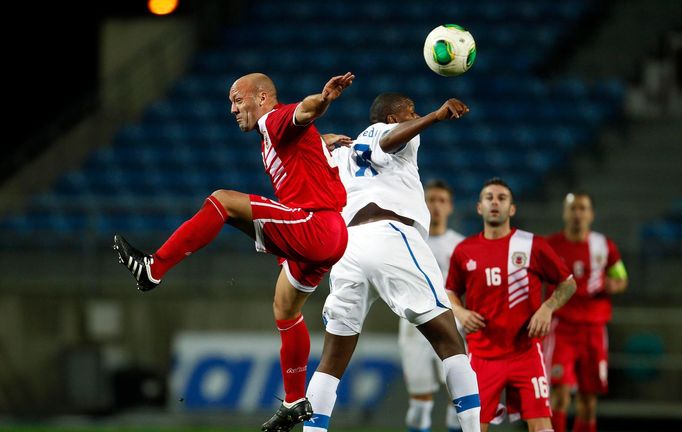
162,7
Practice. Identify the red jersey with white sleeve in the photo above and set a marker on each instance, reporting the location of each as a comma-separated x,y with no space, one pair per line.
501,279
589,261
300,167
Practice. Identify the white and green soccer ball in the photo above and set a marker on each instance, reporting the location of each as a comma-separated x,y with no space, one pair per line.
449,50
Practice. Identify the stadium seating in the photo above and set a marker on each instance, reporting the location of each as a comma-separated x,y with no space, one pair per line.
663,237
520,127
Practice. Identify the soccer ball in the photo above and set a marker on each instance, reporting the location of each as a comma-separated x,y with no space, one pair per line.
449,50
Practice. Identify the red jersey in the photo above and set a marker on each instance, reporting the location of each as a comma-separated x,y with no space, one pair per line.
589,261
502,281
300,167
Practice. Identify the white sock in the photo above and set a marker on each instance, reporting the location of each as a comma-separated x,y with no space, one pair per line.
418,418
322,396
451,419
461,382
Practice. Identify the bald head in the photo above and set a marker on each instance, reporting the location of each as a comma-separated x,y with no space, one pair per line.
252,96
257,82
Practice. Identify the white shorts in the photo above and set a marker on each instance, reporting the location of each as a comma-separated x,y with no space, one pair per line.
387,260
422,369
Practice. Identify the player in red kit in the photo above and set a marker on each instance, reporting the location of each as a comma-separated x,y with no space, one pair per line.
577,347
500,272
304,229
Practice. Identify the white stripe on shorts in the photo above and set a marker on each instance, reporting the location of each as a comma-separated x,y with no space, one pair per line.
274,205
286,221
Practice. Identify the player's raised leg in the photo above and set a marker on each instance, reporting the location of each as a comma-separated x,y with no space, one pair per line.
460,378
223,206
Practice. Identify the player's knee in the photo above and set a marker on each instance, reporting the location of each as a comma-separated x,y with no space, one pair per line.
224,196
561,398
277,310
540,425
228,198
284,311
587,404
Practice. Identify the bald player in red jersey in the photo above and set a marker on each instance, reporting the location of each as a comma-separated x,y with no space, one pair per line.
577,347
500,273
304,229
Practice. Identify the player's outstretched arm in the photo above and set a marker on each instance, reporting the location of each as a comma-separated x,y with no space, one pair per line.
314,106
542,318
405,131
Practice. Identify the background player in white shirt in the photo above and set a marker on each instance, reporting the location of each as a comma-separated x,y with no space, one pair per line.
422,369
387,256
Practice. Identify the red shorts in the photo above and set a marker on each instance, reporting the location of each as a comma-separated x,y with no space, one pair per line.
522,374
308,243
577,354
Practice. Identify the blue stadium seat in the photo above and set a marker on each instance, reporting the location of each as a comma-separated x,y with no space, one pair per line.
187,144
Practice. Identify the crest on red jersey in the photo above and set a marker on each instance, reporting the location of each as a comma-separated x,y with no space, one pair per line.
600,259
519,259
557,371
471,265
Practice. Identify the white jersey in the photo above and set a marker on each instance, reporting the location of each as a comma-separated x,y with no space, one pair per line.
398,188
442,247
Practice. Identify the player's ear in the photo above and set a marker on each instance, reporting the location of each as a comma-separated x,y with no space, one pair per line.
478,208
390,119
512,210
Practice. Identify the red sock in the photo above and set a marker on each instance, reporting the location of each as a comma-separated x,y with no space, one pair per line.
584,426
559,421
190,237
592,426
294,356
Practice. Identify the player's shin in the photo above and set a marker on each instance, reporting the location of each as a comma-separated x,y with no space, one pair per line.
418,418
191,236
322,396
463,387
294,357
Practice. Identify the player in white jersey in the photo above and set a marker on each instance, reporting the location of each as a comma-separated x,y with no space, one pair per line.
422,369
387,257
